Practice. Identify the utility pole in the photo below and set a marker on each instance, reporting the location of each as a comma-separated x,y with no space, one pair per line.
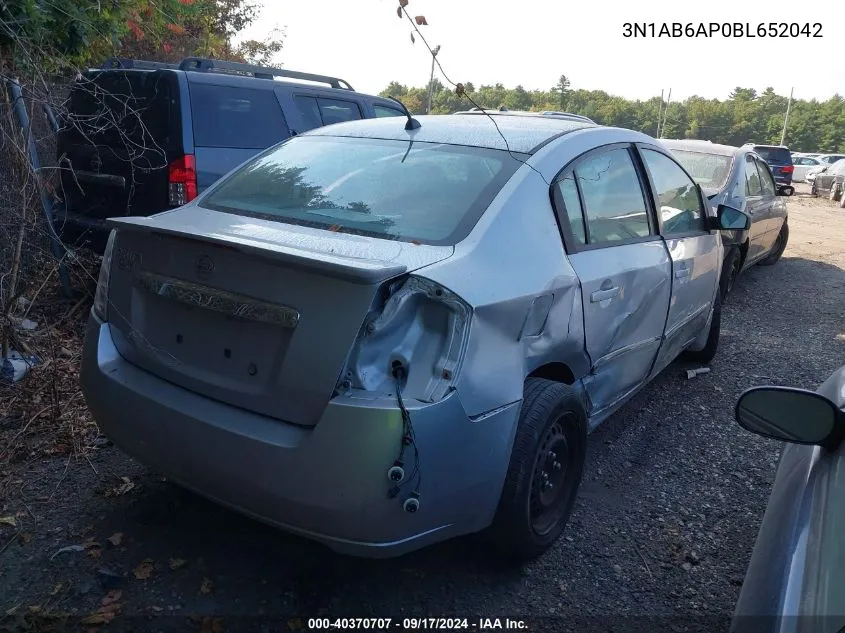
431,80
786,118
666,114
659,112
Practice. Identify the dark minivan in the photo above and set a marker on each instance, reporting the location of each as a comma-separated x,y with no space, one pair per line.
779,159
142,137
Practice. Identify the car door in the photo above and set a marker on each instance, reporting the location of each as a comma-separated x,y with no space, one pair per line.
770,213
694,250
611,237
755,207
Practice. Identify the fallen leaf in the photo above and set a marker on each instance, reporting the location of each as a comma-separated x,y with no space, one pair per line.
413,41
116,538
334,228
206,586
35,608
57,589
95,553
176,563
24,538
211,625
122,489
403,3
144,570
10,521
295,624
420,20
112,597
103,615
399,12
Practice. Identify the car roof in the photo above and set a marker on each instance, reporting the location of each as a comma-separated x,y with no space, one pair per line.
545,113
767,145
705,147
524,134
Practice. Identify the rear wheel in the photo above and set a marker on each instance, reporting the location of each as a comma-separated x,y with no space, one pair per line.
707,354
813,190
834,192
546,465
730,271
842,202
780,246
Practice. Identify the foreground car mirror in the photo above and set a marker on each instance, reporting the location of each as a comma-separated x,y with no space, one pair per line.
730,219
791,415
785,190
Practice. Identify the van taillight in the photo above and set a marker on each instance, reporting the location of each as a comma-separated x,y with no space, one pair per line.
182,181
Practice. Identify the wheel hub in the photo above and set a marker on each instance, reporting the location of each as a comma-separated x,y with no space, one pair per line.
549,485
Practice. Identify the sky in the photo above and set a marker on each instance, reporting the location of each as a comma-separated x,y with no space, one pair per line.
532,42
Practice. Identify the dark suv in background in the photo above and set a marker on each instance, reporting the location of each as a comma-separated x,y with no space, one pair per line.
142,137
779,158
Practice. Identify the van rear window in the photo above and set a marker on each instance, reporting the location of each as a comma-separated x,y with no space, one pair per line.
774,155
117,109
244,118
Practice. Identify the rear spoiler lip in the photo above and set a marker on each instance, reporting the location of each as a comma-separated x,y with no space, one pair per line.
350,269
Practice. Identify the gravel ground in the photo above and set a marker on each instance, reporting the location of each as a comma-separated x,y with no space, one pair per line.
664,526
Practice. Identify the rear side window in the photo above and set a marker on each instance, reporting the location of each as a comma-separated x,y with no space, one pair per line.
614,205
317,111
243,118
382,111
774,155
568,191
431,193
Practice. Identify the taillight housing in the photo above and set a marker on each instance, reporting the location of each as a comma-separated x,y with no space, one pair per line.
420,327
182,180
788,169
101,296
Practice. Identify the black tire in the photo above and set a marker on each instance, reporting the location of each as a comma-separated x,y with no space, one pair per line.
813,190
842,202
730,271
709,352
532,515
834,193
777,250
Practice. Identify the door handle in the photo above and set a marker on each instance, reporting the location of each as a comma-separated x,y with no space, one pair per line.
603,295
682,273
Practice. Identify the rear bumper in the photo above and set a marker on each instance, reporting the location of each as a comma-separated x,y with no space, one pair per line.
328,483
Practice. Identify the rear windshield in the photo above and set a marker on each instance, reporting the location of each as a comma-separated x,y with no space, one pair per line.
774,155
711,171
425,192
123,109
232,117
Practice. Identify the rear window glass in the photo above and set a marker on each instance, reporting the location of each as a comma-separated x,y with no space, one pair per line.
131,109
424,192
776,155
243,118
711,171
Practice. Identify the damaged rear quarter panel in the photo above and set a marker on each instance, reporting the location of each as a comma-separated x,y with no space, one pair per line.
514,256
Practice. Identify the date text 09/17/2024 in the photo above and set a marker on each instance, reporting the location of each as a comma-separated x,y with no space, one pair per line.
415,624
721,29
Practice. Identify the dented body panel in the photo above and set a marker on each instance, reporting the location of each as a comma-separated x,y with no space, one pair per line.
333,323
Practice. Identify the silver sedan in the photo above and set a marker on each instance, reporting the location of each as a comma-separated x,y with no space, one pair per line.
385,333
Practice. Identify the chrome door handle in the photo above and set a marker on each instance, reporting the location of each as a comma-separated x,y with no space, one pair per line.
603,295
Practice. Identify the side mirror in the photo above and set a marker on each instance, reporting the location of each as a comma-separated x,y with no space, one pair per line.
791,415
730,219
785,190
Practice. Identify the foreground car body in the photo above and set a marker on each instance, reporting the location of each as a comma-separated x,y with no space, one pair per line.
795,581
738,177
380,338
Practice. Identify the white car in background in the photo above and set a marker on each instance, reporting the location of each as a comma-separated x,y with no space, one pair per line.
802,165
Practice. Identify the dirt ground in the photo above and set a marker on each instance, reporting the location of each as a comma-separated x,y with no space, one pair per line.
662,532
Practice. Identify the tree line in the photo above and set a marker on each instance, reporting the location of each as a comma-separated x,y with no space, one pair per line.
745,116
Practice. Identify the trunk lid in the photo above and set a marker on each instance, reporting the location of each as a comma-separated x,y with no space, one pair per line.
122,131
253,313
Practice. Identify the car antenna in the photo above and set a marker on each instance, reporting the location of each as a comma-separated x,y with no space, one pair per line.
412,123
